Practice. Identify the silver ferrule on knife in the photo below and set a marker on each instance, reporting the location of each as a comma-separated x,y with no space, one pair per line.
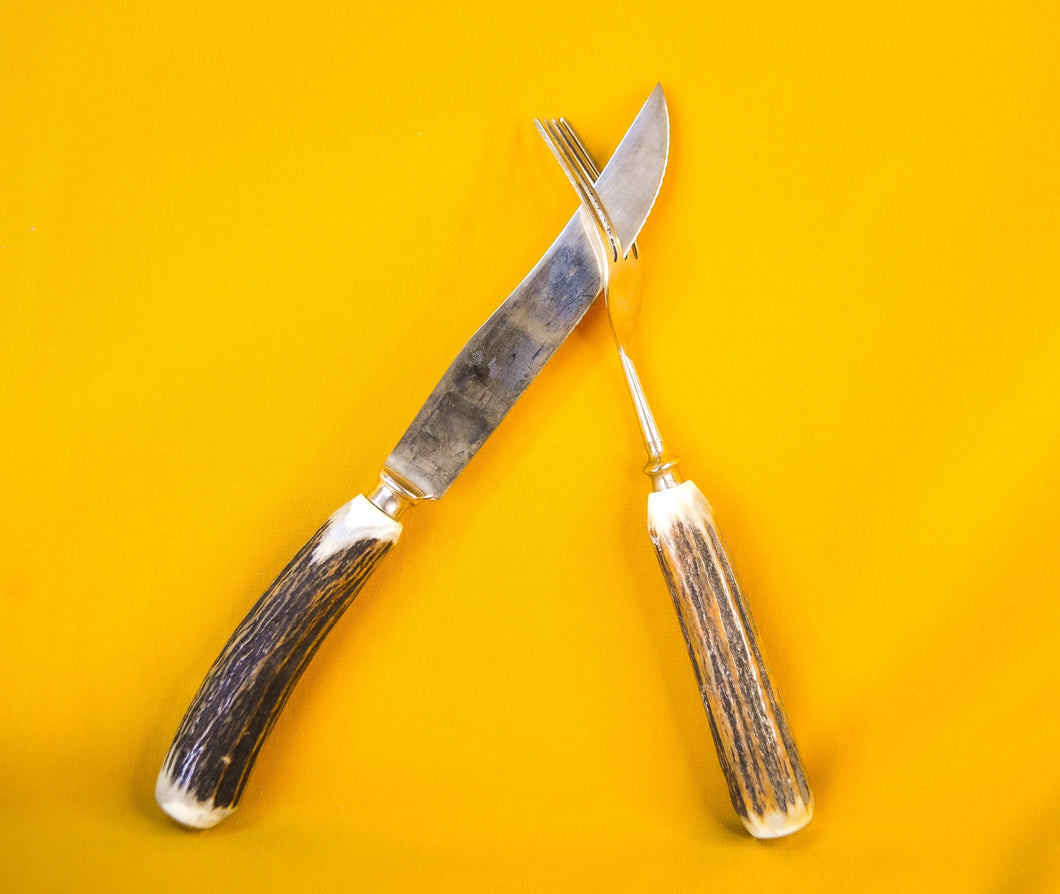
394,494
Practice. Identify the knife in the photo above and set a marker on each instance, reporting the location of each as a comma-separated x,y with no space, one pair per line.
216,744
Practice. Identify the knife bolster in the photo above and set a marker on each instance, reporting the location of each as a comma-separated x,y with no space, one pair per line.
767,784
394,493
215,747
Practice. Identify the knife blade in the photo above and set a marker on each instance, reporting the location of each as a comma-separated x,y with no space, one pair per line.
206,769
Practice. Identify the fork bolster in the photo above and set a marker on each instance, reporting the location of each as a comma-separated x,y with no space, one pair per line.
762,767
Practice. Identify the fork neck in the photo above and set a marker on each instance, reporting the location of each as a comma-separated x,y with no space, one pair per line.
661,467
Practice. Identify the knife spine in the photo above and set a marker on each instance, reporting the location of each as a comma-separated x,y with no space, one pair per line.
218,741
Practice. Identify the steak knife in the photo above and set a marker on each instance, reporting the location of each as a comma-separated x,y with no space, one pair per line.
216,744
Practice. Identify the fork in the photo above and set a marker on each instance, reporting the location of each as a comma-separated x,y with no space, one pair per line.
758,756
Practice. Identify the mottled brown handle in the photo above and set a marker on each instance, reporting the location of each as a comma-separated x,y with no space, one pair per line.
215,747
757,752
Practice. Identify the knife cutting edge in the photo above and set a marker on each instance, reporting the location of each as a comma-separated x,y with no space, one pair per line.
205,772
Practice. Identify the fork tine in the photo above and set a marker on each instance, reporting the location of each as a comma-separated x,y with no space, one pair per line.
561,149
574,141
576,152
567,153
589,167
544,128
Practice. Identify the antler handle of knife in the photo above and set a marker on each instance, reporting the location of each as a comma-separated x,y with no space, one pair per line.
765,776
218,741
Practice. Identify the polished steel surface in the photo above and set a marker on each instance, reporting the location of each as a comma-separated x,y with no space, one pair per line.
512,346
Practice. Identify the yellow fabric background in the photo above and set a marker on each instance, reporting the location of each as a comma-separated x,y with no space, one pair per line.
241,242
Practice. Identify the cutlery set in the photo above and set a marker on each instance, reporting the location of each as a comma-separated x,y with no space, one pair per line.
216,744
